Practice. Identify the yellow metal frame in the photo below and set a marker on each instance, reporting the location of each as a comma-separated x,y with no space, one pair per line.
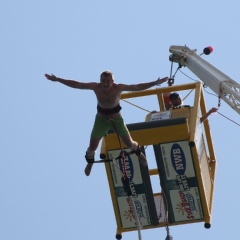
205,167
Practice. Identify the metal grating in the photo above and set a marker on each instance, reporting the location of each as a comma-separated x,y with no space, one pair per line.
205,171
160,208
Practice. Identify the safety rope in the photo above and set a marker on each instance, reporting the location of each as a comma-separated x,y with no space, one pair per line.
135,105
126,186
125,181
120,144
166,222
228,118
187,95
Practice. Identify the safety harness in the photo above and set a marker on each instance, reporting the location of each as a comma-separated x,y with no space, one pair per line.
89,159
108,111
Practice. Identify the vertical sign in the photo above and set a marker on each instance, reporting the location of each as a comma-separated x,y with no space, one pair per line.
133,172
181,181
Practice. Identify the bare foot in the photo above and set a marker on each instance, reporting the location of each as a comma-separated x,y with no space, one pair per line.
88,169
142,159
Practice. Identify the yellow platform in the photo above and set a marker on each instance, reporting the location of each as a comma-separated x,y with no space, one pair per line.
185,164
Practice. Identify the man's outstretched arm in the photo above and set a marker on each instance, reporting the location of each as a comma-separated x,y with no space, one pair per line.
70,83
204,117
143,86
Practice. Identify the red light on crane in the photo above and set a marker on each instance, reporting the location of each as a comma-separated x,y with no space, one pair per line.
207,50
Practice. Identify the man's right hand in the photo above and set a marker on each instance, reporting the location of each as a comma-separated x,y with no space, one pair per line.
51,77
159,80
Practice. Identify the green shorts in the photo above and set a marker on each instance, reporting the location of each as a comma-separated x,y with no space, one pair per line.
102,125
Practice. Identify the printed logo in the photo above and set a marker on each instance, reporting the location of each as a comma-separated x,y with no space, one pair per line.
126,166
129,214
178,159
182,183
139,209
187,205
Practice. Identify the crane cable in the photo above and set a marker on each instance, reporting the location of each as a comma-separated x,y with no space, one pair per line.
136,105
219,97
170,82
219,103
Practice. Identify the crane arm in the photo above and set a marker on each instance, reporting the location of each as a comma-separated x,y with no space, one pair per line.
225,87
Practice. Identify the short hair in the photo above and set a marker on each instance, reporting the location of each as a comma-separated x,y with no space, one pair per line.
174,96
106,73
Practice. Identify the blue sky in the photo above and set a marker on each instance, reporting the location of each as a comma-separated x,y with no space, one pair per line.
45,126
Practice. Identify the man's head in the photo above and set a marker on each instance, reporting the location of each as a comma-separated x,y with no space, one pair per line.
106,73
106,79
175,99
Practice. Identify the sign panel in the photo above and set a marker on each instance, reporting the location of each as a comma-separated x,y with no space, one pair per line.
127,212
181,181
131,168
160,116
186,205
177,160
133,172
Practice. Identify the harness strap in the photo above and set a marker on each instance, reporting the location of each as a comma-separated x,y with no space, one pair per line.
108,111
89,159
137,151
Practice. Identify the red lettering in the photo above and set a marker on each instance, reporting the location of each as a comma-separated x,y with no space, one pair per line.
185,204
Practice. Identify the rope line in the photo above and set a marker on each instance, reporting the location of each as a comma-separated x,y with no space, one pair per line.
128,190
228,118
218,96
122,152
136,105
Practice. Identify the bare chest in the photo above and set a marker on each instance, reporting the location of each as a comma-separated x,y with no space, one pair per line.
108,99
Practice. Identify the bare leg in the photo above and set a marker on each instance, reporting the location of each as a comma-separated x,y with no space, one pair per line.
128,141
94,142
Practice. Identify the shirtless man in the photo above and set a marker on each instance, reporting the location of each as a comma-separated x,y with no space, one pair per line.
108,97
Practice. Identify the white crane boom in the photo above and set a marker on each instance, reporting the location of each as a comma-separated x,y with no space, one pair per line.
225,87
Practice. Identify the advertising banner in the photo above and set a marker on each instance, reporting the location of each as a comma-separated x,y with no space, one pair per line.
127,212
181,181
133,172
